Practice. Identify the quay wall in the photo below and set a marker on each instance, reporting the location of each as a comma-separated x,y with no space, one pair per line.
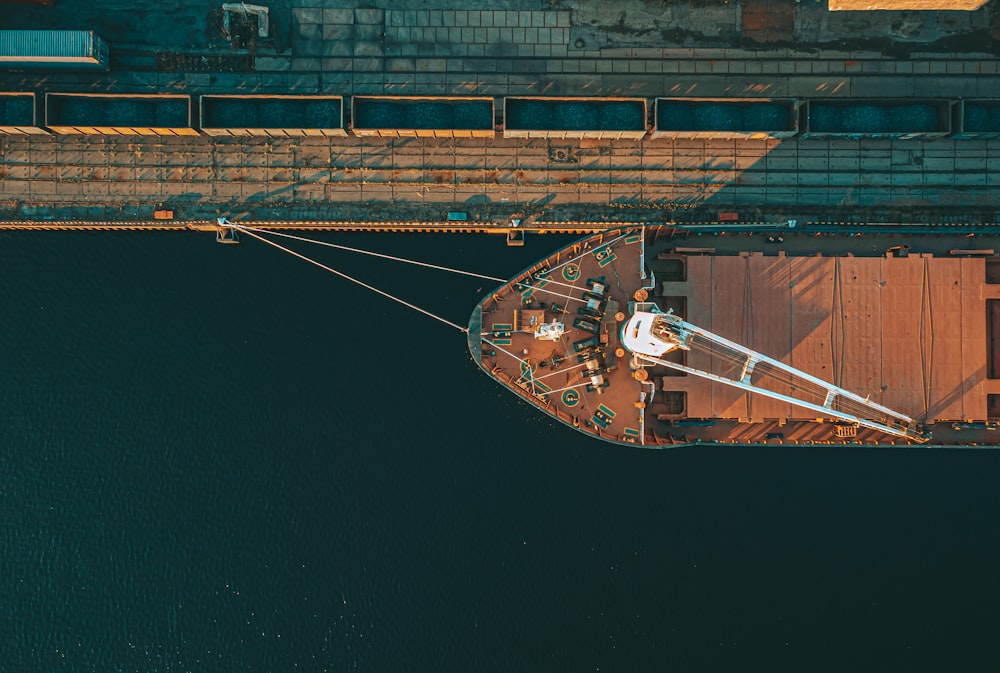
499,228
358,227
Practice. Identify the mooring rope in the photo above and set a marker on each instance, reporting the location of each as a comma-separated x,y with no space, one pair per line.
347,248
343,275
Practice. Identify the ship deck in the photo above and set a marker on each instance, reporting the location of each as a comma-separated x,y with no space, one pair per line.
907,321
583,378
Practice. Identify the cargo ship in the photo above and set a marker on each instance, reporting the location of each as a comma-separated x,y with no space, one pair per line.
659,336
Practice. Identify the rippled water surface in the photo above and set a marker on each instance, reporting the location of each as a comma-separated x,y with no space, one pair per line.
219,458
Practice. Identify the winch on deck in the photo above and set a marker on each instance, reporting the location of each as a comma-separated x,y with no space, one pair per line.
533,321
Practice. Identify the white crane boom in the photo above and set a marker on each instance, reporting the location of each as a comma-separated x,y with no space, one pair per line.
651,335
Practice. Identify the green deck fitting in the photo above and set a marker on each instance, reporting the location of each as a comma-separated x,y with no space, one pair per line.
633,238
570,398
527,376
604,256
571,272
599,421
502,342
539,386
631,432
502,327
607,411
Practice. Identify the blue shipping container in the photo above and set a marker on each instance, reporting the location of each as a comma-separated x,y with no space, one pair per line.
52,50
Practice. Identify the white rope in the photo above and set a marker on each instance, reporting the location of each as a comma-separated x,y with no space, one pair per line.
243,227
541,276
248,230
553,281
568,297
559,390
530,374
590,251
504,350
561,371
346,277
255,233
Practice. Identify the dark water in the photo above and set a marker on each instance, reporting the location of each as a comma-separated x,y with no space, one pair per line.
223,459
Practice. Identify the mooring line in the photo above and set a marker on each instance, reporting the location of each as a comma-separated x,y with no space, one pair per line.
243,227
343,275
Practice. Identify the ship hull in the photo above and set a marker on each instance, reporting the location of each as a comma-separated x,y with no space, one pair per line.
905,320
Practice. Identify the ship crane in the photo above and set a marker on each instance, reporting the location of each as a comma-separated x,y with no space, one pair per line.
651,335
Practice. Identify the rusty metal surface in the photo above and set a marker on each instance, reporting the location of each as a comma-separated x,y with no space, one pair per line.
910,332
907,331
